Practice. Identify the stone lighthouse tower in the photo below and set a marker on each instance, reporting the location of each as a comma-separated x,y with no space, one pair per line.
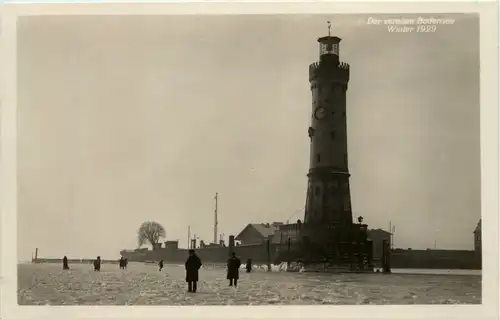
328,203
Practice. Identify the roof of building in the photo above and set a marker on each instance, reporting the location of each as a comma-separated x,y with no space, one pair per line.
379,230
478,227
265,230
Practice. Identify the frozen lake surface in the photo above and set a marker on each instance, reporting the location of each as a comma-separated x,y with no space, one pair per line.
141,284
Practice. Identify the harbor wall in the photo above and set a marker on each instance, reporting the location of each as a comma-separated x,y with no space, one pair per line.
258,253
400,258
435,259
71,261
407,259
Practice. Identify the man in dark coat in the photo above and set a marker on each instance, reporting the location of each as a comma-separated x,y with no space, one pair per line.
193,264
65,263
233,269
122,262
97,264
160,265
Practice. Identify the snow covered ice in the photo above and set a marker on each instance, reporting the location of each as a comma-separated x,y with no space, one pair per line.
142,284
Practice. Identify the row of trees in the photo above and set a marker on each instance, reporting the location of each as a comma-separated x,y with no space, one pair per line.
150,232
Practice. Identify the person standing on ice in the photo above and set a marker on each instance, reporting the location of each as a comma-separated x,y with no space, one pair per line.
249,265
160,265
97,264
233,269
65,263
193,264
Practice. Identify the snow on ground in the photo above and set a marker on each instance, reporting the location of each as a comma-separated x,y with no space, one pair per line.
141,284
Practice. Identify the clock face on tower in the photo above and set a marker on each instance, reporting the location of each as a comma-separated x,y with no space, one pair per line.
319,113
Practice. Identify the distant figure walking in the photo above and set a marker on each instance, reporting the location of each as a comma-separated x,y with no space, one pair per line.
122,262
97,264
65,263
193,264
233,269
125,263
160,265
249,265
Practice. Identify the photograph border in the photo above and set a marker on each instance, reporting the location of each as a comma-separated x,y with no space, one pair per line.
488,15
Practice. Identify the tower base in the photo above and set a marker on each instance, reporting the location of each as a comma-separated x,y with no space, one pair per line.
331,249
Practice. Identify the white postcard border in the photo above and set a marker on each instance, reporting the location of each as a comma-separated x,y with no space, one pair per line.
489,163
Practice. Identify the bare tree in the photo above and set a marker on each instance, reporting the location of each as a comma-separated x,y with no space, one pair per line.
150,232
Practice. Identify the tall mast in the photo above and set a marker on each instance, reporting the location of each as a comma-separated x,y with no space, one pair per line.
215,218
189,237
390,233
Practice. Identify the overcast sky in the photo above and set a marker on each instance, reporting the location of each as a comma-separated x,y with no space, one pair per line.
128,119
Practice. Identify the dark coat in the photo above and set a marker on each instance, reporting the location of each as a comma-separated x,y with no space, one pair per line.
233,268
193,264
65,263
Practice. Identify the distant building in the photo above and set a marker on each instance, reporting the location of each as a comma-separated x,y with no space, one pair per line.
172,244
284,232
477,240
378,236
254,234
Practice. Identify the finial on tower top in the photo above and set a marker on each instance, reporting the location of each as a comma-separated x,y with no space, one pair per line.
329,27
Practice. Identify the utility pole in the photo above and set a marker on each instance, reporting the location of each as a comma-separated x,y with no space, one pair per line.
189,237
390,231
393,234
216,222
194,242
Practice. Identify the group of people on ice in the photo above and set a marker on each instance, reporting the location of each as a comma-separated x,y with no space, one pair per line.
192,265
97,263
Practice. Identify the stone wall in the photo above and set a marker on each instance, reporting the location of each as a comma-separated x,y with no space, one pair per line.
258,253
71,261
434,259
429,259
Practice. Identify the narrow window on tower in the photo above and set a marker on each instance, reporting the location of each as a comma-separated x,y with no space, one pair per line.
318,157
